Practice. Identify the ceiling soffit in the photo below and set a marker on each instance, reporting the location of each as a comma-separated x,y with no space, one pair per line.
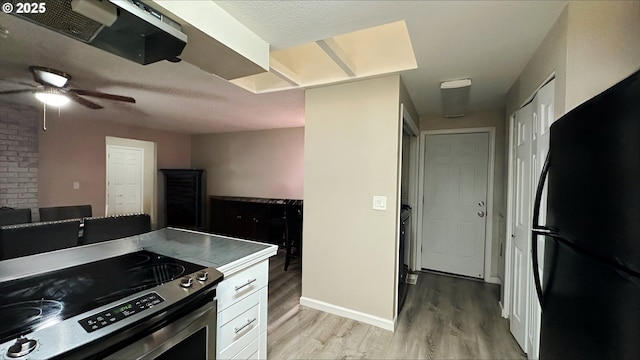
374,51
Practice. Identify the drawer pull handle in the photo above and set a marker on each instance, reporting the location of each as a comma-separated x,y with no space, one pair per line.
249,322
249,282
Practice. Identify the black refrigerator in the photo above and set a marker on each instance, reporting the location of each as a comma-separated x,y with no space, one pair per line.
590,288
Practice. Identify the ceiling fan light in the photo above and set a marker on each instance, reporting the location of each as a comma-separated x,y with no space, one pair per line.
52,78
52,98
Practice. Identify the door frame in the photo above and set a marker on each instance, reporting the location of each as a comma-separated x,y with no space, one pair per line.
150,170
488,243
409,125
141,170
508,246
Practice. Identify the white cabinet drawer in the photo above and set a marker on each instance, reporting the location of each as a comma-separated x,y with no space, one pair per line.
250,352
233,350
242,284
237,309
239,332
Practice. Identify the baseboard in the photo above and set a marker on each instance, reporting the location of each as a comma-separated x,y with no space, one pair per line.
493,280
503,312
348,313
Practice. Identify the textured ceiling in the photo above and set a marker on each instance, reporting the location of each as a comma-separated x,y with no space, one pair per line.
488,41
170,96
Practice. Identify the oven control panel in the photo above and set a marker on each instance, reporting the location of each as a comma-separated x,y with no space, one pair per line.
122,311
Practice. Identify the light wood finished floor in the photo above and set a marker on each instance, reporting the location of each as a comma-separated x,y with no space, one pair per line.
443,318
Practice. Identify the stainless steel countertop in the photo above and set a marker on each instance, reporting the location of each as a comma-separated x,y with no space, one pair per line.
226,254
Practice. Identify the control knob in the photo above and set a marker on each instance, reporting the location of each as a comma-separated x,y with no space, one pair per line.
186,282
21,347
202,276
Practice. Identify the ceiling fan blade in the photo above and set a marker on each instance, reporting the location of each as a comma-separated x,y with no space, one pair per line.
17,82
102,95
16,91
85,102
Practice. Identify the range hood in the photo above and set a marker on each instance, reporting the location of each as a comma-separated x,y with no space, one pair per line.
127,28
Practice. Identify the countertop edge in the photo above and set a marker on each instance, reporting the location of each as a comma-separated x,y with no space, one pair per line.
245,262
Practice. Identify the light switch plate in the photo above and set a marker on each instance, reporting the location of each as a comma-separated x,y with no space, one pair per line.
76,185
379,202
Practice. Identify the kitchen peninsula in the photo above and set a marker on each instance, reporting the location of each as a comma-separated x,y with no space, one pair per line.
242,295
237,325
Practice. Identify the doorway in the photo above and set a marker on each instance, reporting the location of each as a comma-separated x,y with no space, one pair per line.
457,201
407,200
124,180
131,177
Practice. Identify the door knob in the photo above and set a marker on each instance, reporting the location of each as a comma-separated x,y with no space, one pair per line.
481,213
481,203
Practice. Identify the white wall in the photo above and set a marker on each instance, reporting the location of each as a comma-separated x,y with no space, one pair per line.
592,45
549,58
352,133
603,47
265,163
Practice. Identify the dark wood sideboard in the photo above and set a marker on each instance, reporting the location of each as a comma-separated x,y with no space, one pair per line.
257,219
277,221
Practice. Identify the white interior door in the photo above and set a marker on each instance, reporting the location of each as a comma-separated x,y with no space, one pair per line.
531,134
522,225
543,117
455,198
124,180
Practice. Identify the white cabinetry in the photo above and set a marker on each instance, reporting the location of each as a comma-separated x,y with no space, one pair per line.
242,314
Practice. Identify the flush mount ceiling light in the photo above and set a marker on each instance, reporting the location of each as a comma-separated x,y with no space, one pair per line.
455,97
52,97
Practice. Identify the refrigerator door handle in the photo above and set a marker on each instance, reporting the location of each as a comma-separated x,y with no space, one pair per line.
539,230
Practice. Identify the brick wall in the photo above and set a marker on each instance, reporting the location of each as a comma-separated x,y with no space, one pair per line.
19,127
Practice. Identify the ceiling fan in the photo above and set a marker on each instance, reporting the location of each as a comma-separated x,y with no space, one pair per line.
53,89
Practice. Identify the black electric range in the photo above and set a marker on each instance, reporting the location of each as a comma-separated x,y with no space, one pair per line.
94,300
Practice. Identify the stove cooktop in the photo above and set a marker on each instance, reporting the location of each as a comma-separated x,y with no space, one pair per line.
39,301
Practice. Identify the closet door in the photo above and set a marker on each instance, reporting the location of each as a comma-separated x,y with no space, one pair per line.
521,237
542,119
530,132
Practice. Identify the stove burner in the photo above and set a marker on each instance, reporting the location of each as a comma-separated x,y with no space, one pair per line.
144,277
141,259
28,313
158,273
